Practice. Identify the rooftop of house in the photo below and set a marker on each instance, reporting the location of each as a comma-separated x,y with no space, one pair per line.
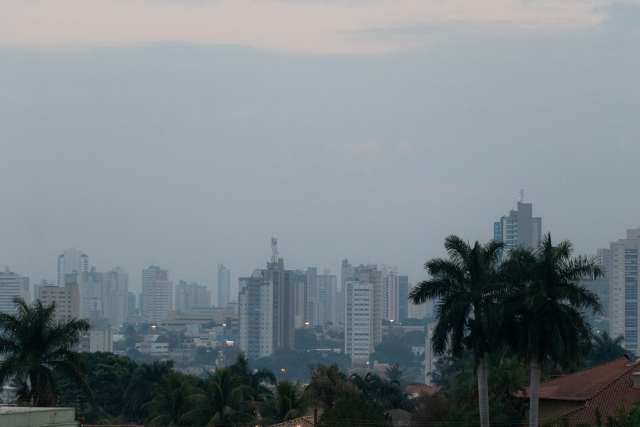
584,385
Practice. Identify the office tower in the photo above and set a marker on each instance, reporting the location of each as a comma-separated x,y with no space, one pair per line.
66,299
519,228
621,270
190,296
391,295
403,298
157,294
71,261
115,296
326,311
12,286
359,323
224,285
255,301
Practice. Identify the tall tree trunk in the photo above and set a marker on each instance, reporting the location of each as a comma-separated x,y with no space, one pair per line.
483,390
534,394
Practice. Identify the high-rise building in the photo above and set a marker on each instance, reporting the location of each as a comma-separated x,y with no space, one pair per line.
157,294
391,295
622,261
255,302
364,300
326,306
115,296
131,303
403,298
12,285
310,296
66,299
519,228
359,324
224,285
71,261
190,296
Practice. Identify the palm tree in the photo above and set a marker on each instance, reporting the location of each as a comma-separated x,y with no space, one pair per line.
139,391
327,382
465,287
221,400
289,401
37,351
170,401
605,349
546,306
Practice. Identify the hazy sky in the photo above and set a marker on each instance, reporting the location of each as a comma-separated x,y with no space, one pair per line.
186,133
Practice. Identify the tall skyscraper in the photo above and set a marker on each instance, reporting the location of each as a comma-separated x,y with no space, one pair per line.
364,300
403,298
12,285
255,302
311,296
326,305
224,285
190,296
71,261
621,270
359,323
157,294
391,294
519,228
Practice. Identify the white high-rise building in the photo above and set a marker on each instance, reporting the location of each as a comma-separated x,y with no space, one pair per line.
71,261
359,323
621,263
157,294
391,295
255,302
12,285
224,285
519,228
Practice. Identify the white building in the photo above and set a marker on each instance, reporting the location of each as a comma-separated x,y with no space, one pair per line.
157,294
66,299
152,346
622,261
391,294
224,285
12,285
519,228
255,301
71,261
359,323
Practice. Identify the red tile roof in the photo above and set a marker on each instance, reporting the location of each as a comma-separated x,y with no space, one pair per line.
584,385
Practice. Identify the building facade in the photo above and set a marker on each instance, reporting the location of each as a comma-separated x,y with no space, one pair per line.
190,296
71,261
255,303
224,285
403,298
66,299
358,336
157,294
12,285
519,228
621,270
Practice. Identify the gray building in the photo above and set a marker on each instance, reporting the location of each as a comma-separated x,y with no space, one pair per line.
255,306
190,296
519,228
157,294
403,298
224,286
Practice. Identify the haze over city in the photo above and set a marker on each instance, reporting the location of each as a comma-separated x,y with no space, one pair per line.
366,129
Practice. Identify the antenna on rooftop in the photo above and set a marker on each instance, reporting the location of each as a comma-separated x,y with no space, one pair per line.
274,249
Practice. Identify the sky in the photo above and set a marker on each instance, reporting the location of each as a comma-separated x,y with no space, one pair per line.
186,133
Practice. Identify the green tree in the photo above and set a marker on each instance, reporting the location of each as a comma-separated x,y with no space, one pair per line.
464,287
221,399
139,391
545,309
288,402
353,410
605,349
36,352
170,401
